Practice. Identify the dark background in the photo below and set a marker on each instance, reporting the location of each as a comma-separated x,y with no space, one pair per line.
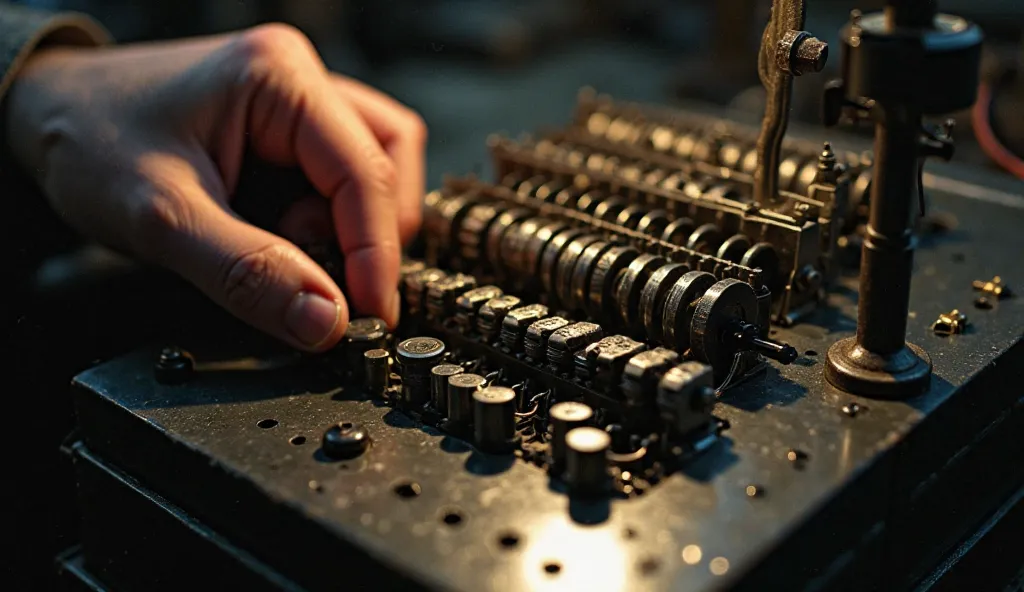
470,67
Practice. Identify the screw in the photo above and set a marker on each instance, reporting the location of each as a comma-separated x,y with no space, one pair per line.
797,457
798,52
345,440
754,490
827,164
174,366
851,409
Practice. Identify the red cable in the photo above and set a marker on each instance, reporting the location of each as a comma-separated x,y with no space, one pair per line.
990,144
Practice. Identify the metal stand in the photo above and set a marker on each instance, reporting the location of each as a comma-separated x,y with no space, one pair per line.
898,66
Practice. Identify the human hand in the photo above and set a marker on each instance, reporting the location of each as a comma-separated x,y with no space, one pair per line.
140,147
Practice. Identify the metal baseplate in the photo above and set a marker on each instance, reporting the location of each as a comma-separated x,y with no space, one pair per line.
348,469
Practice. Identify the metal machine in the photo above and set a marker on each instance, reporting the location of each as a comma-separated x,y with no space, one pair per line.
626,363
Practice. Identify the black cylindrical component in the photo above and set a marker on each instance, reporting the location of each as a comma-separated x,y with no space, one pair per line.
587,461
361,336
416,357
460,396
494,419
439,376
377,364
889,243
563,417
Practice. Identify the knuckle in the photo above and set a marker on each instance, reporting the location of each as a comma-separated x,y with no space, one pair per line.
248,276
383,175
276,43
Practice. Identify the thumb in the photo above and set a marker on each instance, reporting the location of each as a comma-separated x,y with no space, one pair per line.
259,277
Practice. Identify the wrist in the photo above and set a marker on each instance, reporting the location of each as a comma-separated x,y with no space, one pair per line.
23,33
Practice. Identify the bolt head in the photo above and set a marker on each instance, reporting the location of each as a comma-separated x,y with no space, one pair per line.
798,53
345,440
174,366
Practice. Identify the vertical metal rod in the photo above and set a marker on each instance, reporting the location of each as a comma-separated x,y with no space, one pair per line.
889,244
769,142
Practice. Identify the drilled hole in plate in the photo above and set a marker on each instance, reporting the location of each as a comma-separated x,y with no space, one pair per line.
811,353
552,567
297,440
629,533
266,424
347,425
343,466
509,540
407,489
773,332
452,518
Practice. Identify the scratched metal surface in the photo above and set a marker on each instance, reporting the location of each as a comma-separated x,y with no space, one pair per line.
697,530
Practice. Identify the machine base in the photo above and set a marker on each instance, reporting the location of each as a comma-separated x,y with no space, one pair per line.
853,369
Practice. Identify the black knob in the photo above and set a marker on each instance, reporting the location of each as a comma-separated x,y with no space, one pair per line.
174,366
587,461
439,376
345,440
377,365
460,397
494,419
563,417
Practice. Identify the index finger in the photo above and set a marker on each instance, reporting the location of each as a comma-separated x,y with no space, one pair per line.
295,115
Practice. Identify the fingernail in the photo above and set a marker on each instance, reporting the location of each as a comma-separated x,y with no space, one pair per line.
311,318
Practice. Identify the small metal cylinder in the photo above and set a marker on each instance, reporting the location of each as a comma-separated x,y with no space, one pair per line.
416,357
587,461
377,365
563,417
439,376
361,336
460,396
494,419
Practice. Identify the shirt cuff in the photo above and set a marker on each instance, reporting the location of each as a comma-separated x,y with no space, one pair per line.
23,30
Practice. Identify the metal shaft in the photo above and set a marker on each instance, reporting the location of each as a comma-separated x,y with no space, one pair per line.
910,13
889,243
